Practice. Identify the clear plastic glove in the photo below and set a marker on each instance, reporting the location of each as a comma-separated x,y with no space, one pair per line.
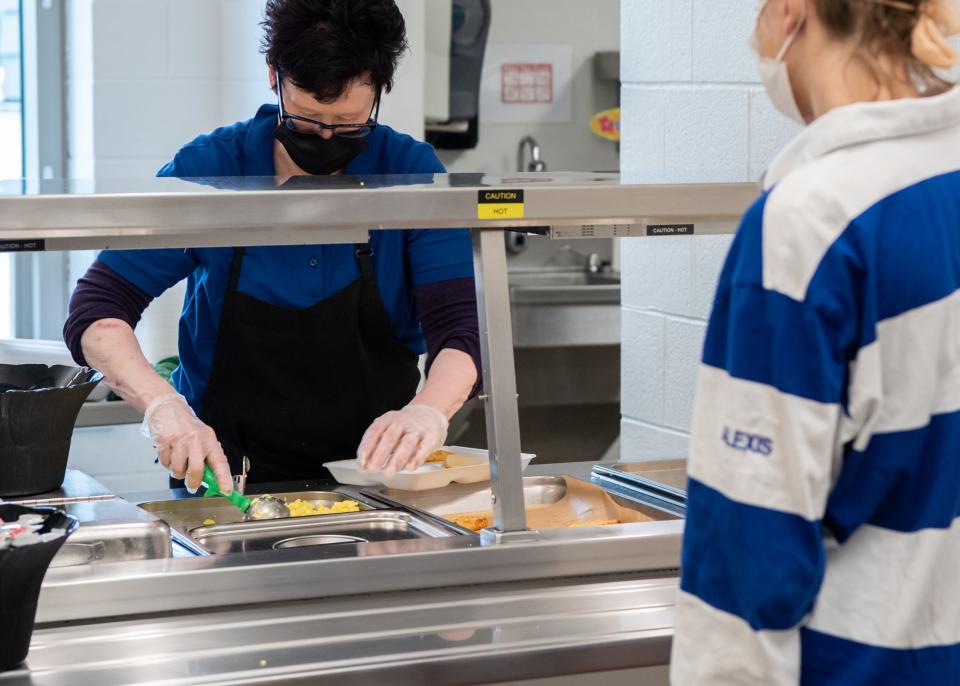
402,439
184,443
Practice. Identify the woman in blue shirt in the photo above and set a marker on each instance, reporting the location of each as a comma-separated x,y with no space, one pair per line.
296,355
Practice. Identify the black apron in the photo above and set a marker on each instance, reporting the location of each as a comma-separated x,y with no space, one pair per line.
293,388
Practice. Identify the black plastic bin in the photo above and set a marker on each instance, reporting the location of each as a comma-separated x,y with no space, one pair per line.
38,409
21,574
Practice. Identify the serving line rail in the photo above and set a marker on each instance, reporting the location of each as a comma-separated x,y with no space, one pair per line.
155,213
183,213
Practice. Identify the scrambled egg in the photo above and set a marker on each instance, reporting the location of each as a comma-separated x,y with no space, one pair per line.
304,508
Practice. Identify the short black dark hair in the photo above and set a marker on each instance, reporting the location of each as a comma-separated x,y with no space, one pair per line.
324,45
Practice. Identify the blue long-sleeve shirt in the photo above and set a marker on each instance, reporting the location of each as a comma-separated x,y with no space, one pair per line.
822,541
410,265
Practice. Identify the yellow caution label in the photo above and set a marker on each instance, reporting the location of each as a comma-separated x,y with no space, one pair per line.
500,204
500,211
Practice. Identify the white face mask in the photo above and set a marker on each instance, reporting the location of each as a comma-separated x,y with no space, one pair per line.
776,77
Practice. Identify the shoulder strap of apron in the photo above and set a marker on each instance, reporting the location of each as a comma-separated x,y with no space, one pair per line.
365,260
235,266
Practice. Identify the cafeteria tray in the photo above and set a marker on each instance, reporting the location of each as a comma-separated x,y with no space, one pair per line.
318,530
552,502
189,513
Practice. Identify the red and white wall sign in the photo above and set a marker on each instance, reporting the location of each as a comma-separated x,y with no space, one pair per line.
530,84
527,84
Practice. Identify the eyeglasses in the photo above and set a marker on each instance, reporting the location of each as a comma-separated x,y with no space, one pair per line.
312,126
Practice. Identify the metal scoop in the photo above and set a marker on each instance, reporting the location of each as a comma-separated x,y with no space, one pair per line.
261,507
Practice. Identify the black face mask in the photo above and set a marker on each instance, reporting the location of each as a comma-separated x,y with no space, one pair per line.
318,155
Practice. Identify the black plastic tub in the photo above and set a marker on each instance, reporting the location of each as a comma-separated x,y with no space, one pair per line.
21,574
38,409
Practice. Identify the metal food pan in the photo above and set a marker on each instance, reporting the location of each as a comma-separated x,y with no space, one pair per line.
112,530
665,477
189,513
537,490
320,530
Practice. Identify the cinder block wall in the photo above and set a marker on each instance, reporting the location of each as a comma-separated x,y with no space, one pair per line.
693,112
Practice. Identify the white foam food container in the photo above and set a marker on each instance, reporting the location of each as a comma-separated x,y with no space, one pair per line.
430,475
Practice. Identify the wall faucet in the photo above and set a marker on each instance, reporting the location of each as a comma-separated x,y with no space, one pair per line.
594,263
536,162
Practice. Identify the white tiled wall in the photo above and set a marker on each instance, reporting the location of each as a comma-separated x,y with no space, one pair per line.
147,76
692,113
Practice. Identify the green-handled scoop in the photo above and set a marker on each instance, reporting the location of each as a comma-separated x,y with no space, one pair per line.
261,507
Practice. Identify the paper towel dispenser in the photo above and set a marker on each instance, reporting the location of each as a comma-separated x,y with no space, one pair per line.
453,82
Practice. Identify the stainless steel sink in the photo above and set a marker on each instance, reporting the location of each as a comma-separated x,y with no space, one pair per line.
541,278
322,530
564,287
564,308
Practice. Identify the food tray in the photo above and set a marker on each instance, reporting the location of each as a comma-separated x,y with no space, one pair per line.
552,502
427,477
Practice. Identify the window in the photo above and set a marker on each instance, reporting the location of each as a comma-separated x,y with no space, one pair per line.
11,133
11,92
32,286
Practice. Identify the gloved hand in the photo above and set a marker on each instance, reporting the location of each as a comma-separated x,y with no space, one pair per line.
402,439
184,443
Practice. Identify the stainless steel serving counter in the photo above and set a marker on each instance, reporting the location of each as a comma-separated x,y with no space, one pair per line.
434,610
505,606
181,213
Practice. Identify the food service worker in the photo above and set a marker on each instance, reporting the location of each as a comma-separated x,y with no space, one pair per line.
297,355
822,538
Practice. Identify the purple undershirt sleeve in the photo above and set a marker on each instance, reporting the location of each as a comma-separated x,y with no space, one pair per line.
101,294
448,318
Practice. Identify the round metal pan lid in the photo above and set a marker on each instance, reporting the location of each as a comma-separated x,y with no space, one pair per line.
307,541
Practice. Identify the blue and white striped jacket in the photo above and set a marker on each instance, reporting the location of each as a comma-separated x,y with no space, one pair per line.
822,541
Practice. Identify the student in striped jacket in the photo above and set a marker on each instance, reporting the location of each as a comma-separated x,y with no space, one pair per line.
822,541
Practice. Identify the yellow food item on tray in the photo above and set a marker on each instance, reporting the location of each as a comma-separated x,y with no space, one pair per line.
209,522
453,460
304,508
472,522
